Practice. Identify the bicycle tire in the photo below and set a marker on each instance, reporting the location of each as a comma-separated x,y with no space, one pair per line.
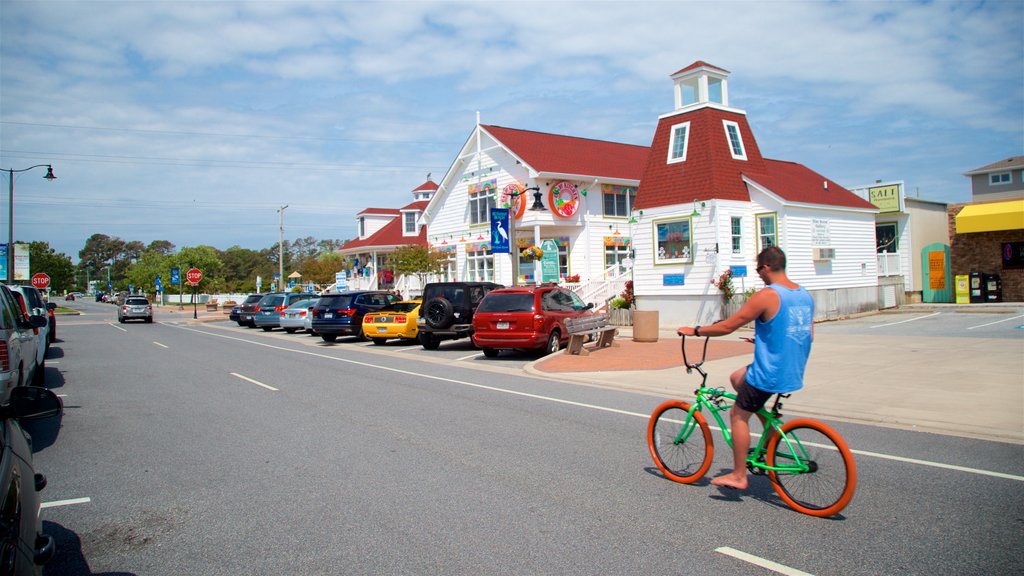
829,487
689,461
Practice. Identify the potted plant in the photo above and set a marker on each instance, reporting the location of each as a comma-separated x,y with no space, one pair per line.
532,253
620,310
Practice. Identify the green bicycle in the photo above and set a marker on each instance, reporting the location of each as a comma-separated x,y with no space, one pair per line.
807,462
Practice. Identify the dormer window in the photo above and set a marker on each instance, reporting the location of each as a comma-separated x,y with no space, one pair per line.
678,140
361,225
732,133
409,222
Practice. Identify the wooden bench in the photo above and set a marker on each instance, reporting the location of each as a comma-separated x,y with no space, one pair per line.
211,306
595,325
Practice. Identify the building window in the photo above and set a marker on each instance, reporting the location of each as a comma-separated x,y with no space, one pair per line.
677,142
1001,178
361,224
673,242
767,231
618,200
732,132
737,235
614,254
479,266
410,222
481,200
886,239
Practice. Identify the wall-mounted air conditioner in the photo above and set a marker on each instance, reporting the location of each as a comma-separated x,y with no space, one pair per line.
824,254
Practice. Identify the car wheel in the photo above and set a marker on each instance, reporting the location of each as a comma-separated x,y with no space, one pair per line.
428,341
39,378
290,330
439,312
121,320
379,341
553,343
491,352
149,319
267,328
329,337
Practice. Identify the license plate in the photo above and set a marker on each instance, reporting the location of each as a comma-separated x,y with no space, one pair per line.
328,315
382,329
502,326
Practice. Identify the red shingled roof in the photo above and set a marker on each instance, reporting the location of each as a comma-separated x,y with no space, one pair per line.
382,211
698,64
428,185
710,171
389,235
557,154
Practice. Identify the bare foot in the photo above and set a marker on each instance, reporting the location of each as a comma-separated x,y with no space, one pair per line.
731,480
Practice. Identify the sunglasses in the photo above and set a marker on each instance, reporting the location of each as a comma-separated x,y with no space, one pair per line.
761,267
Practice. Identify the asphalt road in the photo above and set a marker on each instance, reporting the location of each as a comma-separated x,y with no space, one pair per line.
209,449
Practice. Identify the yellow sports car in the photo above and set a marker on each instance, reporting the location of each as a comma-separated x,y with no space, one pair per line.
395,321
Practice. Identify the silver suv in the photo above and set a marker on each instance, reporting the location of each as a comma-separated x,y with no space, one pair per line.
18,345
135,307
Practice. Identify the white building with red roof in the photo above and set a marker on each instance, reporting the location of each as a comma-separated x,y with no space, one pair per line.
380,231
708,203
571,195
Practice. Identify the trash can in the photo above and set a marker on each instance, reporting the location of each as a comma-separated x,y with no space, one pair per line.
993,288
645,326
977,288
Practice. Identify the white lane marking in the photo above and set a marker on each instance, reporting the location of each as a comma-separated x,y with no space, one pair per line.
116,326
905,321
763,563
247,379
68,502
476,355
573,403
996,322
161,345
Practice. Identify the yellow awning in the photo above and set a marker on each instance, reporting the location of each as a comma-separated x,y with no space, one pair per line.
991,217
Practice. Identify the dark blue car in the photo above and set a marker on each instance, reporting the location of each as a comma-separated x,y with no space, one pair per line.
342,314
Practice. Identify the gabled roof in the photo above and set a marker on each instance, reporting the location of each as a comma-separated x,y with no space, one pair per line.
710,172
1003,165
428,185
390,236
378,211
419,206
568,155
700,64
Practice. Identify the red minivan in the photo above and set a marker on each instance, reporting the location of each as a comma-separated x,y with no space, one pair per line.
525,318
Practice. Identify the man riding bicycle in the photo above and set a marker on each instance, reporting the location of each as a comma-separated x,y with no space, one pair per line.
783,314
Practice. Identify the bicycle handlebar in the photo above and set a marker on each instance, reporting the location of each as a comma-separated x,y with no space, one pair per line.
690,367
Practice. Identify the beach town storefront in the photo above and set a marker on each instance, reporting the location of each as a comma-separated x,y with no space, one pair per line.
569,201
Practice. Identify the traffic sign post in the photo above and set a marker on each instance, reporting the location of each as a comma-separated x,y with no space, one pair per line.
194,276
41,281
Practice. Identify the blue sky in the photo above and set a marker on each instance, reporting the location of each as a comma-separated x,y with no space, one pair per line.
195,121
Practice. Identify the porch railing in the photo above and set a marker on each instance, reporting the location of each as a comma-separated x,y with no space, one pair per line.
889,264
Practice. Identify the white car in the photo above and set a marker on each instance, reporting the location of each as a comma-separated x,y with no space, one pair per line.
294,317
36,307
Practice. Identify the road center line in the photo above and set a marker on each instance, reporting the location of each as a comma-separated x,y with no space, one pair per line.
161,345
562,401
996,322
69,502
250,380
116,326
758,561
905,321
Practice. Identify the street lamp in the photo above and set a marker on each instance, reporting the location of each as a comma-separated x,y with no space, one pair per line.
280,248
10,214
538,206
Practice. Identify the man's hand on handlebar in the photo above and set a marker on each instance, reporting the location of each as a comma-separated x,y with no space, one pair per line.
685,331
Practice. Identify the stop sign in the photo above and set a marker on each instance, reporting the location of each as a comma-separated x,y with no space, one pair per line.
40,280
193,276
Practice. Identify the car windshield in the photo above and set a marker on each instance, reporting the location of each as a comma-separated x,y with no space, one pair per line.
334,302
401,307
302,304
272,300
514,302
136,302
253,299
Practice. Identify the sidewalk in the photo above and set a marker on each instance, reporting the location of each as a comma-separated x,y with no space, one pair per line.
962,386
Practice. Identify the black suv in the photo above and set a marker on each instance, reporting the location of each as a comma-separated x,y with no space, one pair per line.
248,310
447,311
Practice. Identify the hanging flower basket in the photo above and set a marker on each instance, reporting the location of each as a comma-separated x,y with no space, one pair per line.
532,253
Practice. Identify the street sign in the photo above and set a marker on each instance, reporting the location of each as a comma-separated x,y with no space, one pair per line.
175,276
40,280
193,276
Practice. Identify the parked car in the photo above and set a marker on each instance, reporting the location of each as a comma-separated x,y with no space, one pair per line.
20,363
248,311
25,548
70,296
135,308
293,318
342,314
526,318
395,321
101,296
36,307
447,311
234,314
270,307
39,336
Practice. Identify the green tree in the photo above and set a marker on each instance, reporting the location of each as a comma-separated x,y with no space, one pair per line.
419,261
321,270
56,265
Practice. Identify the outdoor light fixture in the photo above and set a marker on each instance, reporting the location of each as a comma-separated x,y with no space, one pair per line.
538,206
10,214
695,212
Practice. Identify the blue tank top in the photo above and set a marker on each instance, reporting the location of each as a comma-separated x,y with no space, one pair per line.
783,343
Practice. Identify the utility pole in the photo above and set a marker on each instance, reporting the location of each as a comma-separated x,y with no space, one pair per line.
280,248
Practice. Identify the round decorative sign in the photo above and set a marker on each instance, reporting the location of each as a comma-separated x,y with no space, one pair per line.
564,199
512,197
